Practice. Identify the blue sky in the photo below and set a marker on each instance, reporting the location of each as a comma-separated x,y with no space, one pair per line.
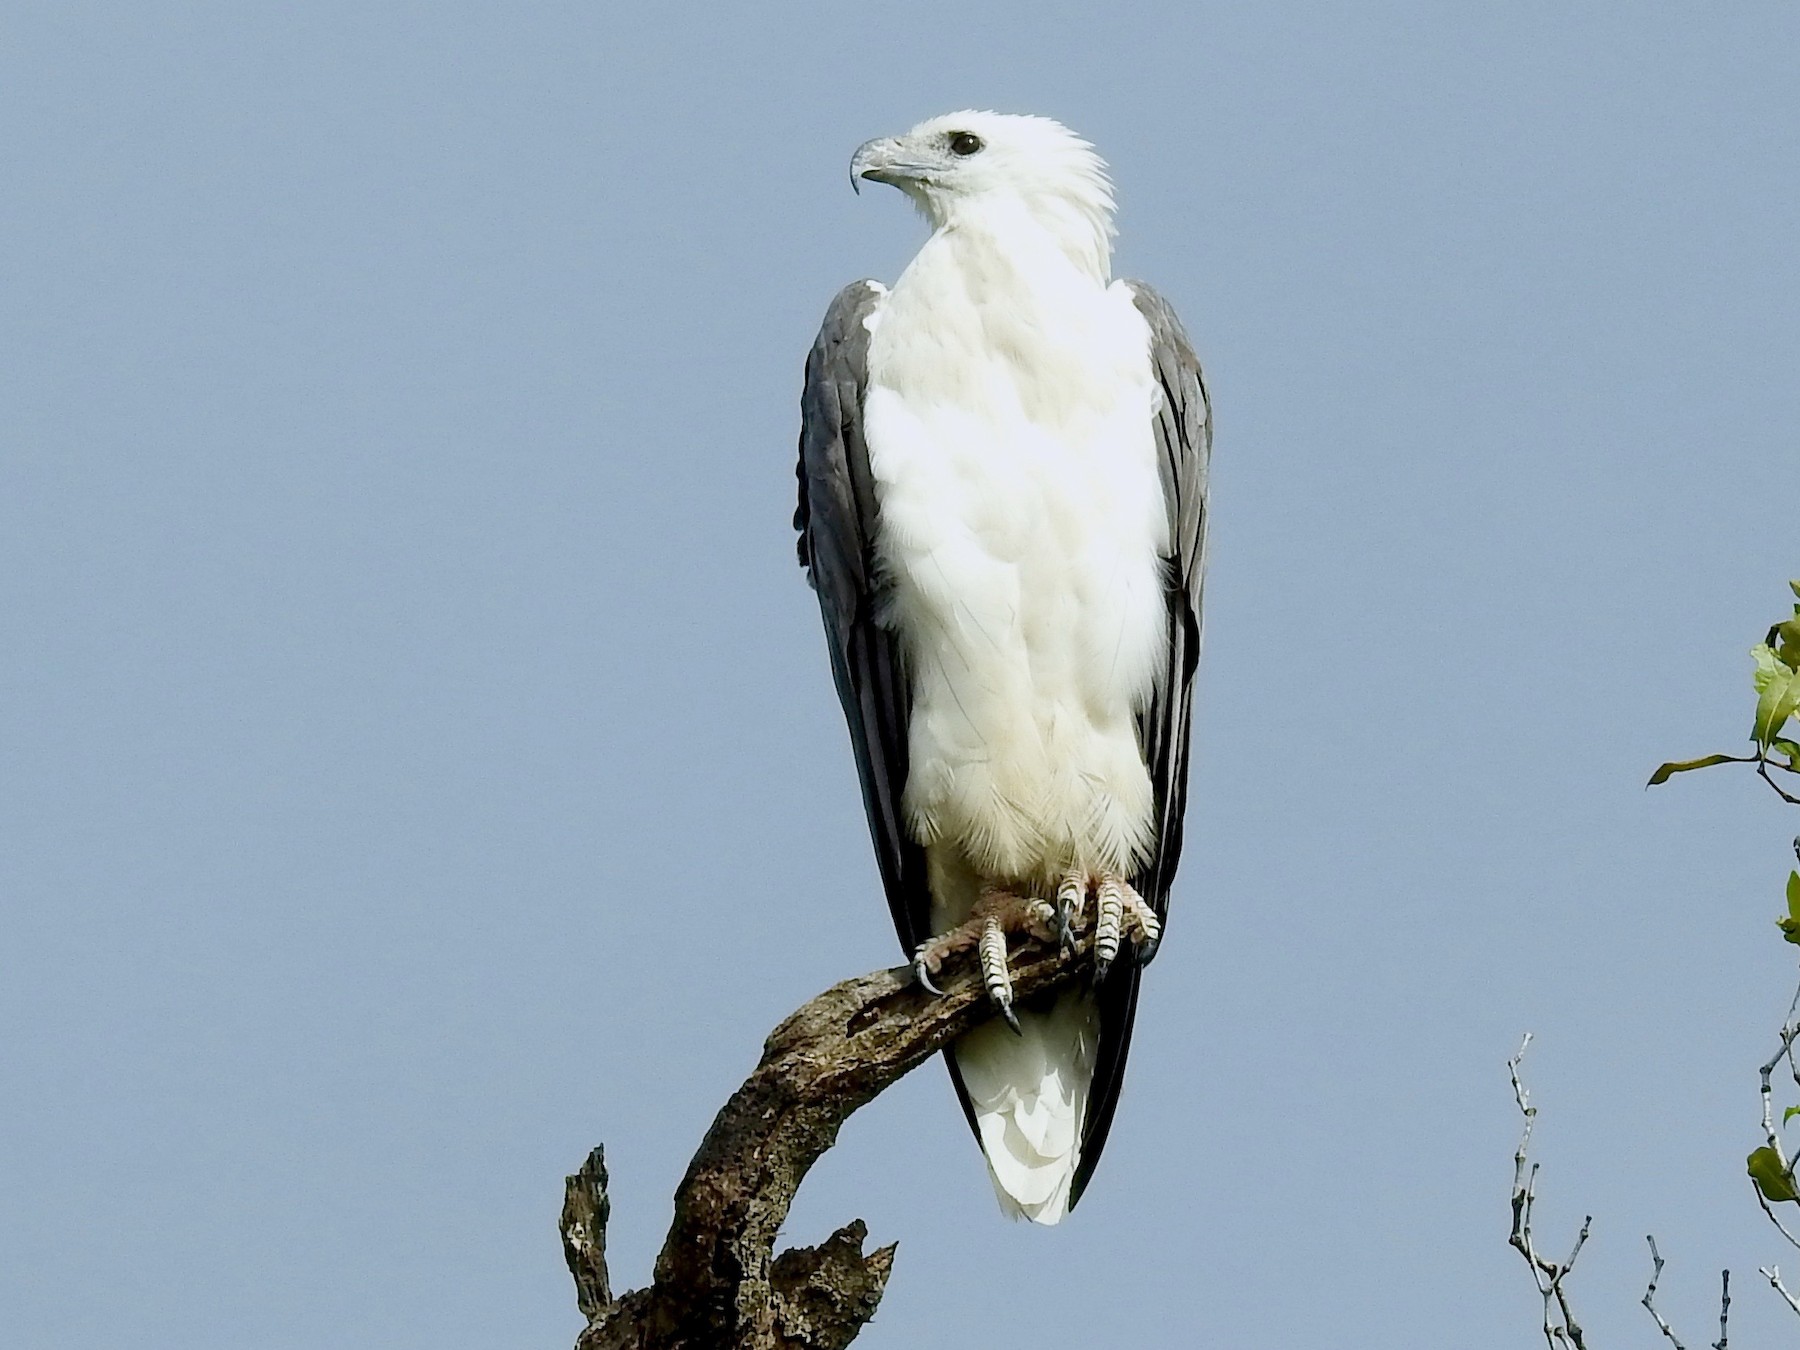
421,762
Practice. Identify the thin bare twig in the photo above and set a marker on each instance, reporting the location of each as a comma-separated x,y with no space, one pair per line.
1789,1033
1561,1331
1763,1200
1773,1275
1762,769
1649,1299
1792,1020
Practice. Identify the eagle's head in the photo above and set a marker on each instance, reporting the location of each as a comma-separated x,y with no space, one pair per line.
970,161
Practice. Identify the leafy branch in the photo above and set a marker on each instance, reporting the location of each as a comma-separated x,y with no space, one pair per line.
1772,1167
1777,681
1773,731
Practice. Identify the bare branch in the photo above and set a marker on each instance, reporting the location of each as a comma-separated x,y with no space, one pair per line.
1773,1275
1649,1299
1763,1200
1762,769
586,1208
1561,1331
717,1282
1790,1031
1788,1034
1724,1309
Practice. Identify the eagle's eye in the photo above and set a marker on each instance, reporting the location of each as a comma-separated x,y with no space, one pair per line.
964,143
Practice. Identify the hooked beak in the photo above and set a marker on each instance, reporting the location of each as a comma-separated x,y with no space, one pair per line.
883,161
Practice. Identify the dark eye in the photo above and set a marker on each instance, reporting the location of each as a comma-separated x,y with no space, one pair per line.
964,143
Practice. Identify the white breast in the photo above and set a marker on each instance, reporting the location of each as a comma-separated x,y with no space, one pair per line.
1010,438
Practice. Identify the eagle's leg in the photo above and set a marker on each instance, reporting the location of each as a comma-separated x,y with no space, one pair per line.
1122,913
994,974
994,916
1071,896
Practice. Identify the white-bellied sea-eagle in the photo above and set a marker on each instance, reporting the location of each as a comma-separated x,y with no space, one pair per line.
1003,465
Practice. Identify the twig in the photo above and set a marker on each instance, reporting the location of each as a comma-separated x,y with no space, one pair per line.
1788,1034
1773,1275
1762,769
717,1282
1649,1299
1763,1200
1793,1007
1559,1324
1790,1031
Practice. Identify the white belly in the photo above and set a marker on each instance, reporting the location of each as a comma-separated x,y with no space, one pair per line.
1022,528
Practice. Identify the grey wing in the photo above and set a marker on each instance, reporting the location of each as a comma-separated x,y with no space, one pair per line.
836,519
1184,449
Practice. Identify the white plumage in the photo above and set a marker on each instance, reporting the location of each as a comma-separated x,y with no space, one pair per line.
1002,508
1009,429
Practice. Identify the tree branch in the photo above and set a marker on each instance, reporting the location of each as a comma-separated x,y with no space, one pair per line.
717,1281
1649,1298
1561,1330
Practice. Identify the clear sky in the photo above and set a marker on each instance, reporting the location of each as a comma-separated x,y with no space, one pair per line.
420,760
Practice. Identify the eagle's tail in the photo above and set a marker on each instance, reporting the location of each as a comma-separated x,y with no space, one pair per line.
1029,1095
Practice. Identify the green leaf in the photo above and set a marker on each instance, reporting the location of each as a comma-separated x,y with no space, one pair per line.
1774,1181
1785,638
1790,926
1778,695
1794,586
1788,748
1667,771
1768,666
1789,1114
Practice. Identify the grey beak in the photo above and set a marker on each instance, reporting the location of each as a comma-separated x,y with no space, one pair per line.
881,161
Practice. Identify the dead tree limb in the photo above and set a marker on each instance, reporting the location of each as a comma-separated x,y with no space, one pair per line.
718,1284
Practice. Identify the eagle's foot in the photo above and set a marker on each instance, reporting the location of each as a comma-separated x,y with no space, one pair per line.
1121,913
996,914
1071,896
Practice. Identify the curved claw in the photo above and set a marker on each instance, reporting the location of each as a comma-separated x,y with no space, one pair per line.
1100,969
1146,952
994,975
923,974
1012,1018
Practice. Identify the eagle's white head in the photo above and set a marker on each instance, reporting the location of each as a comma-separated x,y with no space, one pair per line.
964,166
